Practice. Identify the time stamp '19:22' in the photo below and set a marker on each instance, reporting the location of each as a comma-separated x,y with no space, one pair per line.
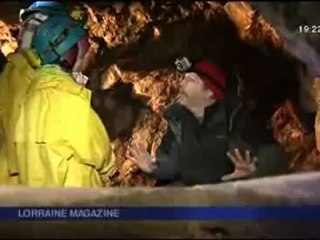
309,29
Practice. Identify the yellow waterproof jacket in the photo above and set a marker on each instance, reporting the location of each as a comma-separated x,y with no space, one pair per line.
52,137
14,81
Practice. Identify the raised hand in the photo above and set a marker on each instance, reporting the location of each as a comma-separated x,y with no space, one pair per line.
142,158
244,166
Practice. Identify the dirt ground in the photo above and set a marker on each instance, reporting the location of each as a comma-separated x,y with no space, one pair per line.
139,42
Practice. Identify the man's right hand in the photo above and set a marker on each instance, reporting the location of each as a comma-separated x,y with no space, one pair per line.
244,166
142,158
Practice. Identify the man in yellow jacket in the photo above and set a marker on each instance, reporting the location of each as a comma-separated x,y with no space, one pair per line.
50,135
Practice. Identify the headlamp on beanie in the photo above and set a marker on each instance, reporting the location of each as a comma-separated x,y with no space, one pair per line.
183,64
209,73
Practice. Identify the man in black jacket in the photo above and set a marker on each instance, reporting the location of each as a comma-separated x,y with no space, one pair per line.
193,151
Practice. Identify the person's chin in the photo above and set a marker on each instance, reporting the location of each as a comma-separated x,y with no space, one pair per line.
182,96
182,99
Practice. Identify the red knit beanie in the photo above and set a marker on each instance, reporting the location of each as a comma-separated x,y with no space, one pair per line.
212,77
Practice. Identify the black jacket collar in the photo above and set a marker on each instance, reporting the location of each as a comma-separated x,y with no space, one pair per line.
217,110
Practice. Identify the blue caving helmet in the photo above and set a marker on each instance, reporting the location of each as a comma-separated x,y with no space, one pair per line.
54,37
47,7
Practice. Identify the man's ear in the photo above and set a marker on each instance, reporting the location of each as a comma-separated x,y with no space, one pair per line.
208,93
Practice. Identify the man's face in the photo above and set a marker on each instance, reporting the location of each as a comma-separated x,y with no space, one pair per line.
193,89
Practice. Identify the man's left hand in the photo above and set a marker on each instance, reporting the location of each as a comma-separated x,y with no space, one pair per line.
142,158
244,167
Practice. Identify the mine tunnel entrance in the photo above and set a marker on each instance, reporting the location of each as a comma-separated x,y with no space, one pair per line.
138,43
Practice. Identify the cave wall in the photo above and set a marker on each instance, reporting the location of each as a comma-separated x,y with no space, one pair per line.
291,15
9,10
